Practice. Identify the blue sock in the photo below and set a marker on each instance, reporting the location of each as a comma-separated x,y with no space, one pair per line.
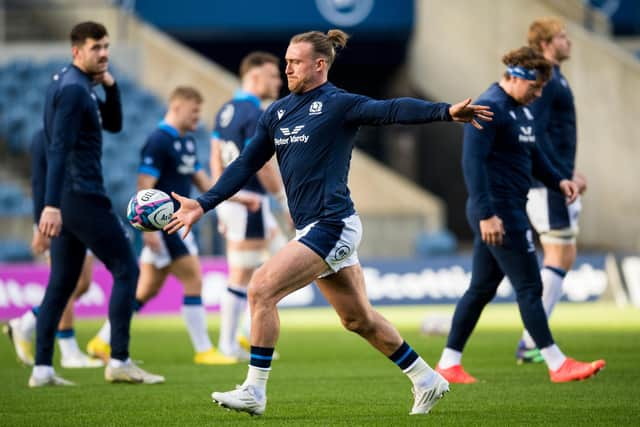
65,333
404,356
261,357
192,300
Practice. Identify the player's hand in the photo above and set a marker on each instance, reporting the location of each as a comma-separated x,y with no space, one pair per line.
152,240
467,112
189,213
39,242
492,230
570,190
581,181
50,221
105,79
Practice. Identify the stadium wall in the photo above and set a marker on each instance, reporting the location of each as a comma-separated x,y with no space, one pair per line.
394,210
456,52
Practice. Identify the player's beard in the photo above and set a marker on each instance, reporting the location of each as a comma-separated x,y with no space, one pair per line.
298,85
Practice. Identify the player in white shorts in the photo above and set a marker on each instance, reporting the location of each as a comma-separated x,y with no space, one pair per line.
168,163
554,220
311,131
249,235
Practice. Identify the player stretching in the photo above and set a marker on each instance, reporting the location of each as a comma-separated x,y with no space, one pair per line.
22,329
311,131
77,214
552,218
498,165
247,233
169,163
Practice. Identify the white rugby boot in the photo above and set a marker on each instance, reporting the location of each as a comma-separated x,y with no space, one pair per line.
243,399
426,397
49,380
129,372
80,360
21,343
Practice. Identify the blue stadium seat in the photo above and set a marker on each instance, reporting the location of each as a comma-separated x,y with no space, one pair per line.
14,251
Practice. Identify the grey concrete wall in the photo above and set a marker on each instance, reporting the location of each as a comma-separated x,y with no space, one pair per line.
456,52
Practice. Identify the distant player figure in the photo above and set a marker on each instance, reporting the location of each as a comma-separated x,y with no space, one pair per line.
169,163
77,213
248,234
311,132
554,220
498,165
22,329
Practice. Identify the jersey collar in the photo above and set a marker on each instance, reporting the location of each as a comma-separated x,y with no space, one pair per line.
241,95
169,129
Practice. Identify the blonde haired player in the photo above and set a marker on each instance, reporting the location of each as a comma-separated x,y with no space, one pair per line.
169,163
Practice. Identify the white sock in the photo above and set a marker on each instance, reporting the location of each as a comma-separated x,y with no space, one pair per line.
28,324
553,357
105,332
116,363
42,371
68,346
196,319
449,358
257,377
551,294
232,307
420,373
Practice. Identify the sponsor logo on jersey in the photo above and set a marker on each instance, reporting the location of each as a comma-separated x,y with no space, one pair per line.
190,146
526,134
292,136
188,165
280,113
512,114
315,108
177,145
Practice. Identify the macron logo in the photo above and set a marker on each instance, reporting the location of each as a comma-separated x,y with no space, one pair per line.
296,130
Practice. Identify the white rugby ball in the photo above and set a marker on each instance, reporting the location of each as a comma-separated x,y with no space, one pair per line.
149,210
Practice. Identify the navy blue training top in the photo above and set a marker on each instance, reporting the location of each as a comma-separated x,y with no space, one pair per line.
312,136
555,112
73,121
38,173
235,125
171,159
500,161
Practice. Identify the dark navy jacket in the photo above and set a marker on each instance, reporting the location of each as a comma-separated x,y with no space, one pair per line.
312,136
556,116
73,121
500,161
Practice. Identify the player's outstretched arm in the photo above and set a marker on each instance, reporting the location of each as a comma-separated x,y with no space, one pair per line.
466,112
362,110
189,213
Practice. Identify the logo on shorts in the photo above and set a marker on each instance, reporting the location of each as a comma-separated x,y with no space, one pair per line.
341,253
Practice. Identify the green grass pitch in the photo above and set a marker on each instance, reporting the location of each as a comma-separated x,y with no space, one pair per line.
327,376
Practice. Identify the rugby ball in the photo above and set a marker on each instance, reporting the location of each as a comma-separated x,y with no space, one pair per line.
149,210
